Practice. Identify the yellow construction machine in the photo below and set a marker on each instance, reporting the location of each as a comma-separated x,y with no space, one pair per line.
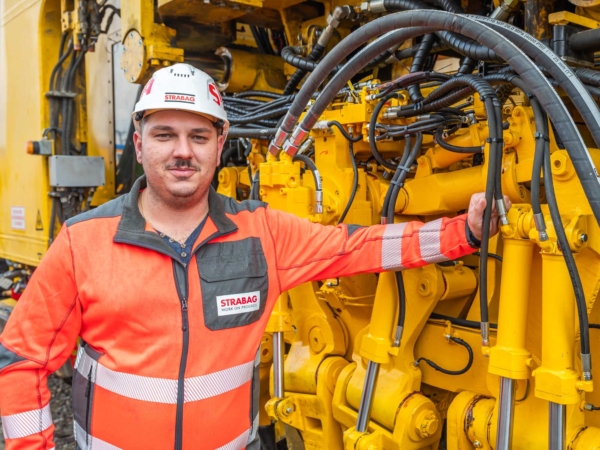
357,113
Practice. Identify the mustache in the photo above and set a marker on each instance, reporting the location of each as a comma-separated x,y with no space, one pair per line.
183,163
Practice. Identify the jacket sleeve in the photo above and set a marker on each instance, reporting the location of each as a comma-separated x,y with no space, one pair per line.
307,251
38,338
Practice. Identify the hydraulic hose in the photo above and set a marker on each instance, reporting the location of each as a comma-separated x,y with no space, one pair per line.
242,120
255,93
252,133
291,56
351,140
456,42
317,177
419,60
578,94
458,341
439,139
426,21
460,322
586,360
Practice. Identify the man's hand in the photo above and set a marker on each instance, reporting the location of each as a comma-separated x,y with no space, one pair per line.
475,215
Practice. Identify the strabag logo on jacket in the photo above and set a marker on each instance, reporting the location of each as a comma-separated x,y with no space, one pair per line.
238,303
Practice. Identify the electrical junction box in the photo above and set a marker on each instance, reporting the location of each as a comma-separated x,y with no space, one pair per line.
76,171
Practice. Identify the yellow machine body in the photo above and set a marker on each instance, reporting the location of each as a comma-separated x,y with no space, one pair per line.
333,328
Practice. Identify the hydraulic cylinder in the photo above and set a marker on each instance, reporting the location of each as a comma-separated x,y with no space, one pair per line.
508,358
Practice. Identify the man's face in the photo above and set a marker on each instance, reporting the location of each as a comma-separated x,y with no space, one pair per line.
180,152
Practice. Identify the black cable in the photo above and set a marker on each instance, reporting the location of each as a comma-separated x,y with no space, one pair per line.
439,139
418,64
567,254
316,53
451,372
255,93
372,125
594,325
461,322
351,140
490,255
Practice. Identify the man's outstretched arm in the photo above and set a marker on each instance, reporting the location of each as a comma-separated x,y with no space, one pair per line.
38,338
307,251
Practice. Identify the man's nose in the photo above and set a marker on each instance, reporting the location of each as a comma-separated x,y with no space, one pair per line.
183,148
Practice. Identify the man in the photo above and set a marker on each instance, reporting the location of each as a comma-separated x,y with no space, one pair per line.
170,288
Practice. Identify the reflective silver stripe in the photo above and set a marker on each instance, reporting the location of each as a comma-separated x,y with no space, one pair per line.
164,390
91,442
238,443
24,424
253,430
429,242
391,246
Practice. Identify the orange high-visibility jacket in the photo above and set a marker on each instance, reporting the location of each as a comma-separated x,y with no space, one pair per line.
169,352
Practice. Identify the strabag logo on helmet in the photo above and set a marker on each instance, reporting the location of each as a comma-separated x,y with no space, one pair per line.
238,303
179,97
148,87
213,90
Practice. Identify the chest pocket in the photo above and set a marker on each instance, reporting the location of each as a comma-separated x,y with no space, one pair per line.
234,282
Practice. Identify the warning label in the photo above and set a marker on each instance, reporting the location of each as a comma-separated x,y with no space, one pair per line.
238,303
39,225
17,218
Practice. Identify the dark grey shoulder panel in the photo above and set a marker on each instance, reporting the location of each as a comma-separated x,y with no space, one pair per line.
8,357
113,208
233,207
353,228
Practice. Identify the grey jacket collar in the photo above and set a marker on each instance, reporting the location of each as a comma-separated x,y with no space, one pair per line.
131,229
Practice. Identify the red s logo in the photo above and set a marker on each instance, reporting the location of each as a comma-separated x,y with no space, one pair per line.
148,87
214,92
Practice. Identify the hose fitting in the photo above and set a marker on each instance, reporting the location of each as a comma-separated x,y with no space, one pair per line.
374,6
307,144
504,11
295,141
318,197
540,226
398,337
586,366
485,334
502,211
276,144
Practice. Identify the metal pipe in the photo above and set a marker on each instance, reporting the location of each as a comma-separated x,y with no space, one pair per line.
278,365
557,426
506,410
366,401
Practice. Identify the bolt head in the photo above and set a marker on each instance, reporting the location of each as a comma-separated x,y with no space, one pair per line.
477,444
583,237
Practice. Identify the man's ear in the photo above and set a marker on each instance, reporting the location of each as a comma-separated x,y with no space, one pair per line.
220,144
137,142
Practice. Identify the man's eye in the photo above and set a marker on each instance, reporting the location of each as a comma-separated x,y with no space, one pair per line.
163,135
200,138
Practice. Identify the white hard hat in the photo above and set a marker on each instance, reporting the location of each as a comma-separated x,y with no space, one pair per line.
185,88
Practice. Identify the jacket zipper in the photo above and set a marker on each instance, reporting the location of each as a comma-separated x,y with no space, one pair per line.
183,298
183,362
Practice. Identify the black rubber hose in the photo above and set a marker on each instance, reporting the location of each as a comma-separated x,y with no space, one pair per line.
459,341
419,60
372,125
351,140
255,93
461,322
588,76
291,56
456,42
241,120
62,56
439,139
402,170
411,51
584,330
448,5
588,40
388,195
316,53
578,94
427,21
251,133
242,101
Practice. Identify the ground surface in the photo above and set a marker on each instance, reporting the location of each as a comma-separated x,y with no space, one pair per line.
62,414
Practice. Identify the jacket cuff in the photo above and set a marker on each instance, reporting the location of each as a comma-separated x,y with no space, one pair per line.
471,239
